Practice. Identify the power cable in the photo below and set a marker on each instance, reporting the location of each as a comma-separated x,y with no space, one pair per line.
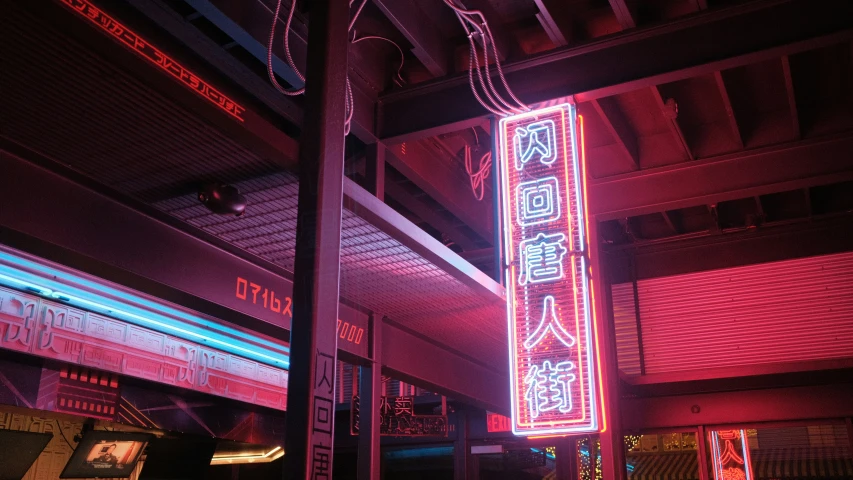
62,434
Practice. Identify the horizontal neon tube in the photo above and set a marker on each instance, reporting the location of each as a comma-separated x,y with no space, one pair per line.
197,329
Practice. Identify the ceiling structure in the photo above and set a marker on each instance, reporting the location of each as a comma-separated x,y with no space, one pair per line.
693,90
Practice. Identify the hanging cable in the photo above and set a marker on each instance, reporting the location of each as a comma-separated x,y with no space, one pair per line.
398,79
270,71
477,29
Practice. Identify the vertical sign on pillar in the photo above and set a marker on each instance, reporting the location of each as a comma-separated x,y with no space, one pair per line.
551,338
730,455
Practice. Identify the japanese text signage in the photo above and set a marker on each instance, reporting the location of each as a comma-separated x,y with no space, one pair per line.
552,343
730,455
397,418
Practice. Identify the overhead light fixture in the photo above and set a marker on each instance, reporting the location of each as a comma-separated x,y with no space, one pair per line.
270,456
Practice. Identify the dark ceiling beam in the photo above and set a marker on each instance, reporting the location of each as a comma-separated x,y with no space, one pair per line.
441,183
619,129
421,210
791,166
669,109
370,208
427,44
504,43
767,243
746,405
218,56
546,18
792,97
727,103
624,15
669,223
245,28
429,215
639,58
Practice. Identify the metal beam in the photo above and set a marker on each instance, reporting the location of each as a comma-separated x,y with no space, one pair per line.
389,221
619,129
740,407
370,394
434,368
552,29
420,166
727,103
310,428
135,245
429,215
750,246
645,56
745,174
669,109
374,170
219,57
792,97
428,46
624,15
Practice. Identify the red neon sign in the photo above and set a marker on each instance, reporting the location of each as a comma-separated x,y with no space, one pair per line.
730,455
147,51
552,342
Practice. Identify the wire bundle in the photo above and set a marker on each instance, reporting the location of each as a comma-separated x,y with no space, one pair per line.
349,104
476,27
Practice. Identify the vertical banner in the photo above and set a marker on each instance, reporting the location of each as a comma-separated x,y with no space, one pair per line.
551,339
730,455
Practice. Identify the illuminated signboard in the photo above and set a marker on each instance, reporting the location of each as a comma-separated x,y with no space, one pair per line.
149,52
730,455
553,355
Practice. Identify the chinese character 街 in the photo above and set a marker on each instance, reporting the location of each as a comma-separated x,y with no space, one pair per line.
549,387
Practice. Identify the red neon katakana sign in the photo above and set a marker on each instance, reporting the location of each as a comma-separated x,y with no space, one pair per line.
553,353
730,455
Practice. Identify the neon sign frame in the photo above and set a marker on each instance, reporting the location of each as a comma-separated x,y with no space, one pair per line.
146,50
555,364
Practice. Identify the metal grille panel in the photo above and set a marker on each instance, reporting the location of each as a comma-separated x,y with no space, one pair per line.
377,271
789,311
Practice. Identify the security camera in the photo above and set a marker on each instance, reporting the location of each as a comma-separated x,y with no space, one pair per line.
223,199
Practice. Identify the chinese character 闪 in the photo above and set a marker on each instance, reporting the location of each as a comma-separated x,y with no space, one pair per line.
538,201
535,142
549,323
549,387
542,258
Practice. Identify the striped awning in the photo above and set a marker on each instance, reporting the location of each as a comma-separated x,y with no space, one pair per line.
664,466
802,463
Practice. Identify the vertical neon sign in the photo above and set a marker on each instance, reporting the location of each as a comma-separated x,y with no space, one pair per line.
730,455
553,388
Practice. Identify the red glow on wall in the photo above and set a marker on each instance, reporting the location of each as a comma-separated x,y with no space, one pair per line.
553,352
155,56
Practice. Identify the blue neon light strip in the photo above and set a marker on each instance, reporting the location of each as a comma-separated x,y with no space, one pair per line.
122,305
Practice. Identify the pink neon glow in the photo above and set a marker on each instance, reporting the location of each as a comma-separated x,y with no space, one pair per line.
730,455
553,342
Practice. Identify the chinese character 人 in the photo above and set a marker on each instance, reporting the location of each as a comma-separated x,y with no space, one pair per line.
549,323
